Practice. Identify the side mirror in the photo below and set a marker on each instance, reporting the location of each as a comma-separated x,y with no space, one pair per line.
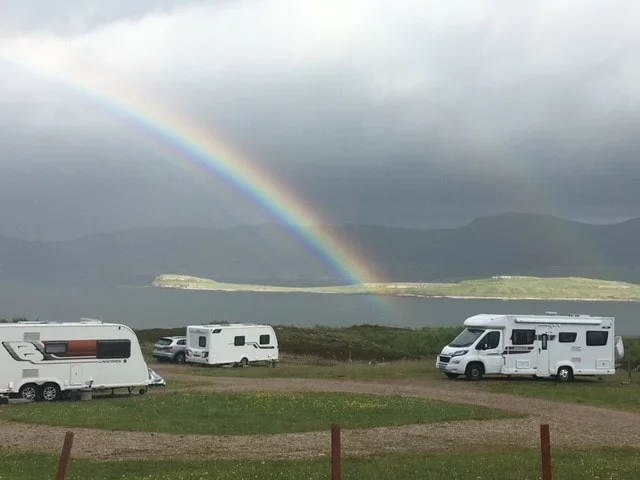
482,346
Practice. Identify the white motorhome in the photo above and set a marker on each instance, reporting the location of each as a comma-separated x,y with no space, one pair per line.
41,360
548,345
237,344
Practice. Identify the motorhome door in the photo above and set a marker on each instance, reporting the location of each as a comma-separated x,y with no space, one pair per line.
543,338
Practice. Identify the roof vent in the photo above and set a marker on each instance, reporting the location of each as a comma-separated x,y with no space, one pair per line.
90,320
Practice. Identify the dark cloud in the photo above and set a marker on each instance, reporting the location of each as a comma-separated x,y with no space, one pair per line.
398,114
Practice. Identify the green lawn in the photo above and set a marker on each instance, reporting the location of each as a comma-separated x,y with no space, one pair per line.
310,368
610,392
245,414
610,464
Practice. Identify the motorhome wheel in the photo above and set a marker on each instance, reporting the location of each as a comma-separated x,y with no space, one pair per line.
475,371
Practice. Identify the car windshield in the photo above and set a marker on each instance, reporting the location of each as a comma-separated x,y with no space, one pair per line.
164,341
466,337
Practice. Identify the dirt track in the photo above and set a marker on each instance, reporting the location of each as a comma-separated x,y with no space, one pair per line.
571,425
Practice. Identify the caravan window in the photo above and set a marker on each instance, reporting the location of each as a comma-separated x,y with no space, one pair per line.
56,348
238,341
264,340
567,337
596,338
202,342
523,337
113,349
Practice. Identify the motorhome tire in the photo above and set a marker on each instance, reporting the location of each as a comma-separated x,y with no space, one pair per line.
475,371
565,374
179,358
452,375
50,392
244,362
28,391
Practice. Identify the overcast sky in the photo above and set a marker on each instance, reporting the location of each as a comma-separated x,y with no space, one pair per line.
407,113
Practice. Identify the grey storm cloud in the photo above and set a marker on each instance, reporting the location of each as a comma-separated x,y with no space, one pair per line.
399,113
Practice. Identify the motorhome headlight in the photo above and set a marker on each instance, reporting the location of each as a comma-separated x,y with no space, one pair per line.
459,353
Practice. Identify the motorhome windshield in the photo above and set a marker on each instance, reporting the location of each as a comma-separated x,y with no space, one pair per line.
466,337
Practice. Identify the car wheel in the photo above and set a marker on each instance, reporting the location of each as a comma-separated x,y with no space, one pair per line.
179,358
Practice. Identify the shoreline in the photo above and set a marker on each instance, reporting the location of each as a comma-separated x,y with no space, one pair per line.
415,295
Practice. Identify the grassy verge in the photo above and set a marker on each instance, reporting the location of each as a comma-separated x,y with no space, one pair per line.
358,342
613,464
319,368
245,414
364,342
610,392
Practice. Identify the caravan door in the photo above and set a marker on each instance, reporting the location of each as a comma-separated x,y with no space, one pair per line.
543,337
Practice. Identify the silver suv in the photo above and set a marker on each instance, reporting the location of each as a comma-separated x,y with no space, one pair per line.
170,348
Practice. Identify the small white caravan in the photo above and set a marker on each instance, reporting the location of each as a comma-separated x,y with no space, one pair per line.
548,345
237,344
41,360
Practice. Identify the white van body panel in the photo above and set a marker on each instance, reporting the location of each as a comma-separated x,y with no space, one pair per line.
235,343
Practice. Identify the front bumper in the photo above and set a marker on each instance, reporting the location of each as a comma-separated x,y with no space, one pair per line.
449,364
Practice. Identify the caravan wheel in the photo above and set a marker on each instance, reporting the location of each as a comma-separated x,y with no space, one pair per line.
244,362
50,392
29,392
565,374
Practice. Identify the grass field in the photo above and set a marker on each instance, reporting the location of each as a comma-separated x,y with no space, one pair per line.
320,368
610,464
245,414
512,287
364,342
609,392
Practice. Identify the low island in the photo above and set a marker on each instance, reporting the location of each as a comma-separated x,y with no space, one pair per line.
505,287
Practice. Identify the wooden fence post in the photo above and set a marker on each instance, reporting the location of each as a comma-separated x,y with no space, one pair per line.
336,467
545,445
64,456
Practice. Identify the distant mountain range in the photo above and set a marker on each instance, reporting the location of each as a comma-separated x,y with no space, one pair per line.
509,244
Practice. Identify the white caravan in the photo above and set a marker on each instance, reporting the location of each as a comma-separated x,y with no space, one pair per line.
41,360
541,345
237,344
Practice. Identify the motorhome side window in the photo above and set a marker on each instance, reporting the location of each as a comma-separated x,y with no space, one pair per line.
238,341
264,340
567,337
202,342
491,340
596,338
113,349
523,337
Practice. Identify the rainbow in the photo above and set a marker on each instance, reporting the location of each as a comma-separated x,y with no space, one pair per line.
195,147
